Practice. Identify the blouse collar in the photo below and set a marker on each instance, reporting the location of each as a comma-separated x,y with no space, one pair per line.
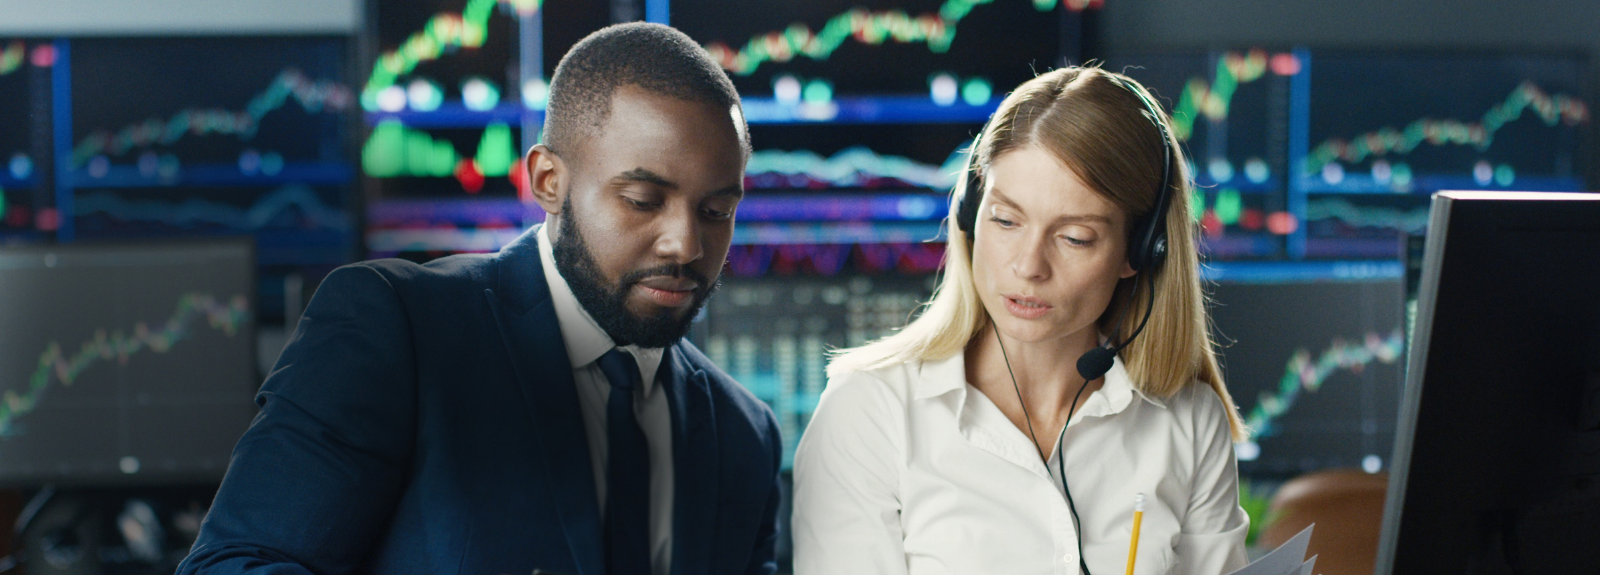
938,377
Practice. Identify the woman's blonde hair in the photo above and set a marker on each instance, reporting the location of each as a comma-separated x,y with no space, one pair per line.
1094,124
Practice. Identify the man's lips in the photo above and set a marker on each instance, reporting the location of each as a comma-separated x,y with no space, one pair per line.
669,283
667,291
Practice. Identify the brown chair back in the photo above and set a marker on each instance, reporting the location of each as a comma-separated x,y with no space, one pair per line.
1347,507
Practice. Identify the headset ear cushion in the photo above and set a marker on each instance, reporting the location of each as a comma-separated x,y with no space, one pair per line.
967,211
1148,255
971,198
1145,252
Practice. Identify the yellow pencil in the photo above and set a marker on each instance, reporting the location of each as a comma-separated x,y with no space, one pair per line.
1138,517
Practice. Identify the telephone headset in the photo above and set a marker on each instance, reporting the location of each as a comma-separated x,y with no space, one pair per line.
1146,251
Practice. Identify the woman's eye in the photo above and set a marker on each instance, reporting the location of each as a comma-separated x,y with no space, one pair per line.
1004,223
1076,242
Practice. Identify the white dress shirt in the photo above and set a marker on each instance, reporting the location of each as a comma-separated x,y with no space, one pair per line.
910,470
586,342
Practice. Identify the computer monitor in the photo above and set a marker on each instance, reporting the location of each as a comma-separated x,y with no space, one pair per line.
1372,133
196,136
954,52
781,308
26,209
1229,108
1312,353
454,93
125,364
1496,466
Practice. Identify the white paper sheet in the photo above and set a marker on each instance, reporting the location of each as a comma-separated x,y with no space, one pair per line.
1287,559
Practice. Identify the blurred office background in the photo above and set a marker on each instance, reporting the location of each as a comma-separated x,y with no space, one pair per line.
176,177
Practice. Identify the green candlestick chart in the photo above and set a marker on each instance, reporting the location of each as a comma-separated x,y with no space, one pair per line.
936,29
57,367
1551,109
396,150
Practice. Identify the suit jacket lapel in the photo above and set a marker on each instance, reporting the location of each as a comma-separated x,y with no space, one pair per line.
695,465
527,322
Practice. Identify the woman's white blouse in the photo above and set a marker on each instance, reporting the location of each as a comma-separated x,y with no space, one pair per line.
908,469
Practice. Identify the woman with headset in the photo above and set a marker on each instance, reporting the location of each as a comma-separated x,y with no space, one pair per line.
1062,370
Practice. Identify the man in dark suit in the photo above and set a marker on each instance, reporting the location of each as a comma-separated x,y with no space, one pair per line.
535,408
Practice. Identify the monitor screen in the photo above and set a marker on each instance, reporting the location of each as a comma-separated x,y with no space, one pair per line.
130,363
116,17
454,96
184,137
1230,110
946,50
1497,462
26,202
781,308
873,158
1376,132
1315,368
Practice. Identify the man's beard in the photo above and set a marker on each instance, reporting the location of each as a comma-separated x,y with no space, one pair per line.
608,305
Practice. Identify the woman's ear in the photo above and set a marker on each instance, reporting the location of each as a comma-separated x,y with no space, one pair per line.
1127,269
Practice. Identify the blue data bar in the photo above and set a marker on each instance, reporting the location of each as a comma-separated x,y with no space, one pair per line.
8,181
213,175
474,212
867,110
456,115
1302,271
851,110
843,208
760,233
1429,183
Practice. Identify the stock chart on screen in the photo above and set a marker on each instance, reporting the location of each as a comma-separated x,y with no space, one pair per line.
207,111
890,183
926,157
445,96
206,136
1329,154
861,115
455,94
909,60
1373,127
772,333
458,88
866,110
125,363
26,206
1230,110
1316,368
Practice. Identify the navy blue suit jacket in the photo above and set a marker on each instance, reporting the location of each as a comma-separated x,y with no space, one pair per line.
423,419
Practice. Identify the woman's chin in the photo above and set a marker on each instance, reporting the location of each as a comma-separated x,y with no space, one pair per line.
1028,331
1039,331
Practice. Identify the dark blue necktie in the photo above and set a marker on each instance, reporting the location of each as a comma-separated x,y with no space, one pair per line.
627,472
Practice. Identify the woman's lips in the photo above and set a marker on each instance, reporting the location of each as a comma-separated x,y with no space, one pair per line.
1026,307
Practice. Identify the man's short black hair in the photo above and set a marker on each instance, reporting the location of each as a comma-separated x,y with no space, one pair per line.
654,57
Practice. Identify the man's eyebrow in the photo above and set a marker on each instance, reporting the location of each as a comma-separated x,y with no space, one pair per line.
646,176
736,190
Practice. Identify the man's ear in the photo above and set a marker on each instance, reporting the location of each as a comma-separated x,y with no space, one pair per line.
548,177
